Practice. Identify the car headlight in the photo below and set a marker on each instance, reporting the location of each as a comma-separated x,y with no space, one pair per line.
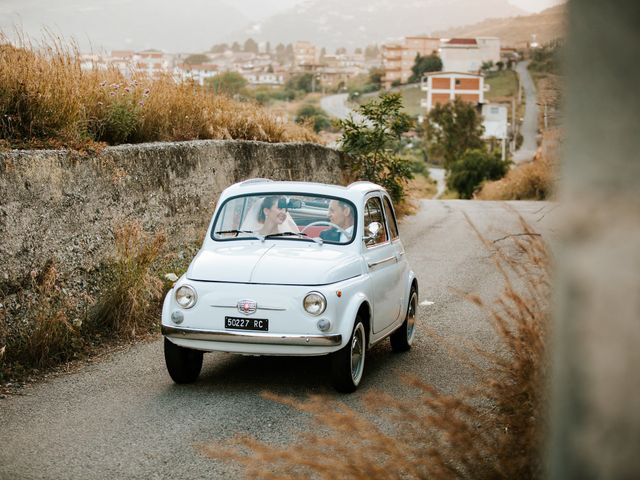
314,303
186,296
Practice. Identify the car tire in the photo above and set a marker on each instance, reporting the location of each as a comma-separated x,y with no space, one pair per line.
183,364
402,338
347,364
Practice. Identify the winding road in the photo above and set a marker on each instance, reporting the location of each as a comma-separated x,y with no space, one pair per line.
529,127
123,417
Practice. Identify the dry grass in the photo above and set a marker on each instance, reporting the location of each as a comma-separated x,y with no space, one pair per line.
418,188
131,290
494,430
48,100
530,181
47,337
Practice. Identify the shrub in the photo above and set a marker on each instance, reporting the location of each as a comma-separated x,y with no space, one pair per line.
494,430
529,181
132,289
314,116
476,166
374,143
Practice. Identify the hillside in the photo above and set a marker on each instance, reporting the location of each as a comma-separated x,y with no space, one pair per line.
336,23
547,25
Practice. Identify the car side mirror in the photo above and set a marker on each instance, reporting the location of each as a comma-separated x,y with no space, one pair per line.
373,232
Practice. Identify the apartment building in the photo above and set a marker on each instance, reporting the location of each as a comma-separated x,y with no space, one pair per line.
399,58
304,53
443,87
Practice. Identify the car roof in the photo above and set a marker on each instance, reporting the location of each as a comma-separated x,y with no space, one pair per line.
353,192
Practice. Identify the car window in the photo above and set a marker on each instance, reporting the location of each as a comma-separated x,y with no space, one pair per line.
286,216
373,213
391,218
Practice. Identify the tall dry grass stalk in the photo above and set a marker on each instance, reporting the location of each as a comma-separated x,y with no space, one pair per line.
493,430
131,290
48,100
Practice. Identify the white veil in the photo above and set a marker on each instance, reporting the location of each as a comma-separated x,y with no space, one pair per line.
252,223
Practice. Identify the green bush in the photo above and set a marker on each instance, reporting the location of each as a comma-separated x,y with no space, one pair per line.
309,114
475,166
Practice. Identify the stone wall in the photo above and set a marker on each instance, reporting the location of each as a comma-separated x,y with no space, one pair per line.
62,207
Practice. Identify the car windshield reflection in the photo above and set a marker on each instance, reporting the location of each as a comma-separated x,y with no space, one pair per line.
288,216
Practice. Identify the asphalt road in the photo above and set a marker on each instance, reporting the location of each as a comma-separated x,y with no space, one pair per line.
529,127
122,417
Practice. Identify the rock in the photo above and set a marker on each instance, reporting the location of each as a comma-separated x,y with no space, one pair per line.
172,277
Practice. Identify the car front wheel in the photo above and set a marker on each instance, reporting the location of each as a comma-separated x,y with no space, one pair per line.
402,338
347,364
183,364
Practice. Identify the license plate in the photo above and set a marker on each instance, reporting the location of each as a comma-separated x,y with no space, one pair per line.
237,323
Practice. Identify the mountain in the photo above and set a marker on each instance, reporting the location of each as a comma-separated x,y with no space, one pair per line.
339,23
547,25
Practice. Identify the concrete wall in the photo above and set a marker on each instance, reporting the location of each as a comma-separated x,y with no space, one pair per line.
596,394
57,205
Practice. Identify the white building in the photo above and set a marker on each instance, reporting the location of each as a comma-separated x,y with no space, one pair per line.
496,124
468,54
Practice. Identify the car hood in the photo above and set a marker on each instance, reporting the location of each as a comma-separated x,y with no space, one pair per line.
308,264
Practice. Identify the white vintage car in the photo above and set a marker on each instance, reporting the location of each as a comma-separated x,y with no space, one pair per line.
292,268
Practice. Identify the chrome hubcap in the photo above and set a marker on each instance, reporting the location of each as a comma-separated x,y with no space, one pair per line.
357,354
411,318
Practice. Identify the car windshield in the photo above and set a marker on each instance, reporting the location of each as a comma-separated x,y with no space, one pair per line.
288,216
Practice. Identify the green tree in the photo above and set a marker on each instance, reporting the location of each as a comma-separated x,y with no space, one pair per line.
371,52
235,47
422,65
196,59
453,128
310,114
227,83
250,46
375,76
475,166
220,48
303,83
374,143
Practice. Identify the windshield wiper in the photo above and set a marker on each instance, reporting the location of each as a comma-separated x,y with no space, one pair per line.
295,234
221,232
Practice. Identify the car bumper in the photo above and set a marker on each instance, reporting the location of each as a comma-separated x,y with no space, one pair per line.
180,333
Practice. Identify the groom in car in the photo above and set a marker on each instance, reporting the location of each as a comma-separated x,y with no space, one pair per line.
341,214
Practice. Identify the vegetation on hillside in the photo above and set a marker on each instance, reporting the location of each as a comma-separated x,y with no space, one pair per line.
48,100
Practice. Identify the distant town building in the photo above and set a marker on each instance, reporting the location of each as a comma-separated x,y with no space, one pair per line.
304,53
443,87
399,58
152,62
196,73
468,54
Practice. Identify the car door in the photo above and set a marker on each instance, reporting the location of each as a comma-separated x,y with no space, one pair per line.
379,253
402,267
